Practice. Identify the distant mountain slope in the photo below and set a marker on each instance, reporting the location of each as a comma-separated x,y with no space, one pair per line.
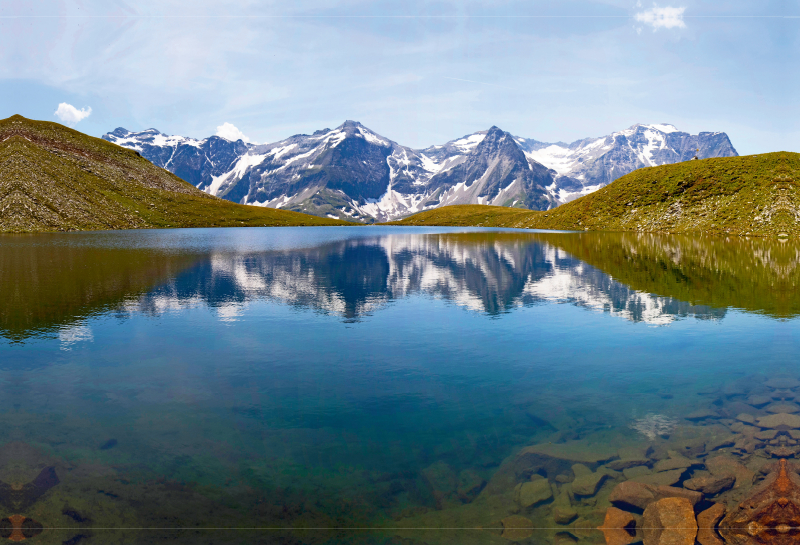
751,195
55,178
589,164
353,173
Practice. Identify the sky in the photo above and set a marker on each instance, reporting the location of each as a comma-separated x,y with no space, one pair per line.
417,72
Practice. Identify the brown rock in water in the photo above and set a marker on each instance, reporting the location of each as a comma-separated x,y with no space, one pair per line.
580,470
632,493
726,465
710,485
533,493
638,471
766,435
619,527
517,528
625,463
664,478
771,515
564,514
694,497
702,414
587,485
746,418
780,421
784,383
669,521
783,407
469,484
758,400
707,525
678,462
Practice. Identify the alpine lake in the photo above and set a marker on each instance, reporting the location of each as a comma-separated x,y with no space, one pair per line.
388,385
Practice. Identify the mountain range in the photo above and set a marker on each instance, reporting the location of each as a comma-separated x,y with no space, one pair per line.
355,174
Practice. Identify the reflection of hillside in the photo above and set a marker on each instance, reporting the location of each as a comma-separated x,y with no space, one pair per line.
487,272
46,284
758,275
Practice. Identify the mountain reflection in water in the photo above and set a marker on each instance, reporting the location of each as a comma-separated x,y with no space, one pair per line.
651,278
312,380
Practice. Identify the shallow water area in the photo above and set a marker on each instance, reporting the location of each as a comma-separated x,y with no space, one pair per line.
386,385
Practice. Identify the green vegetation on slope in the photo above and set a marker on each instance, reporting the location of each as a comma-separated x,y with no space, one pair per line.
751,195
53,178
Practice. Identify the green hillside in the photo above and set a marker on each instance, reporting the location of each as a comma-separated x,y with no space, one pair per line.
750,195
53,178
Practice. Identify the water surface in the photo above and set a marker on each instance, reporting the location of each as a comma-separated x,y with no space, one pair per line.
316,380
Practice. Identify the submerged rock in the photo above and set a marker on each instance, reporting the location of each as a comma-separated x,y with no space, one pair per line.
669,521
638,471
707,523
587,485
632,494
517,528
726,465
533,493
626,463
664,478
619,527
780,421
710,485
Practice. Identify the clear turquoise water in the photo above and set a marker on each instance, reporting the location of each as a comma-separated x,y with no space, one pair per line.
310,377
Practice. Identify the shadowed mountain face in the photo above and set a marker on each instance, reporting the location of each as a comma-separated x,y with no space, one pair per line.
52,283
53,178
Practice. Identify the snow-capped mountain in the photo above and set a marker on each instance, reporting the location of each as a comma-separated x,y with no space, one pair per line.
589,164
353,173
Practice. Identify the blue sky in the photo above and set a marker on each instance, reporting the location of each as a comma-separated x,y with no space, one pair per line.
417,72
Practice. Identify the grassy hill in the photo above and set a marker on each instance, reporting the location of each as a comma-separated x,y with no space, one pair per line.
750,195
53,178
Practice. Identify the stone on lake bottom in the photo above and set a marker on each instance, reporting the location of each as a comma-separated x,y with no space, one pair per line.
726,465
678,462
637,471
669,521
780,420
625,463
758,400
517,528
693,496
707,523
783,407
632,493
619,527
587,485
782,383
710,485
564,514
746,418
665,478
580,470
532,493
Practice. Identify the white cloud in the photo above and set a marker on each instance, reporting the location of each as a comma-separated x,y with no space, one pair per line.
230,132
69,114
667,17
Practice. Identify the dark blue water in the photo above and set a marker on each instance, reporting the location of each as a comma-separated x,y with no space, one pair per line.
317,379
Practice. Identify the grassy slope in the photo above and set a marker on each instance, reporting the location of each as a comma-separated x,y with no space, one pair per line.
53,178
754,194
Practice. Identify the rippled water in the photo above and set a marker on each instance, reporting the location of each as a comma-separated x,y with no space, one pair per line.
316,380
